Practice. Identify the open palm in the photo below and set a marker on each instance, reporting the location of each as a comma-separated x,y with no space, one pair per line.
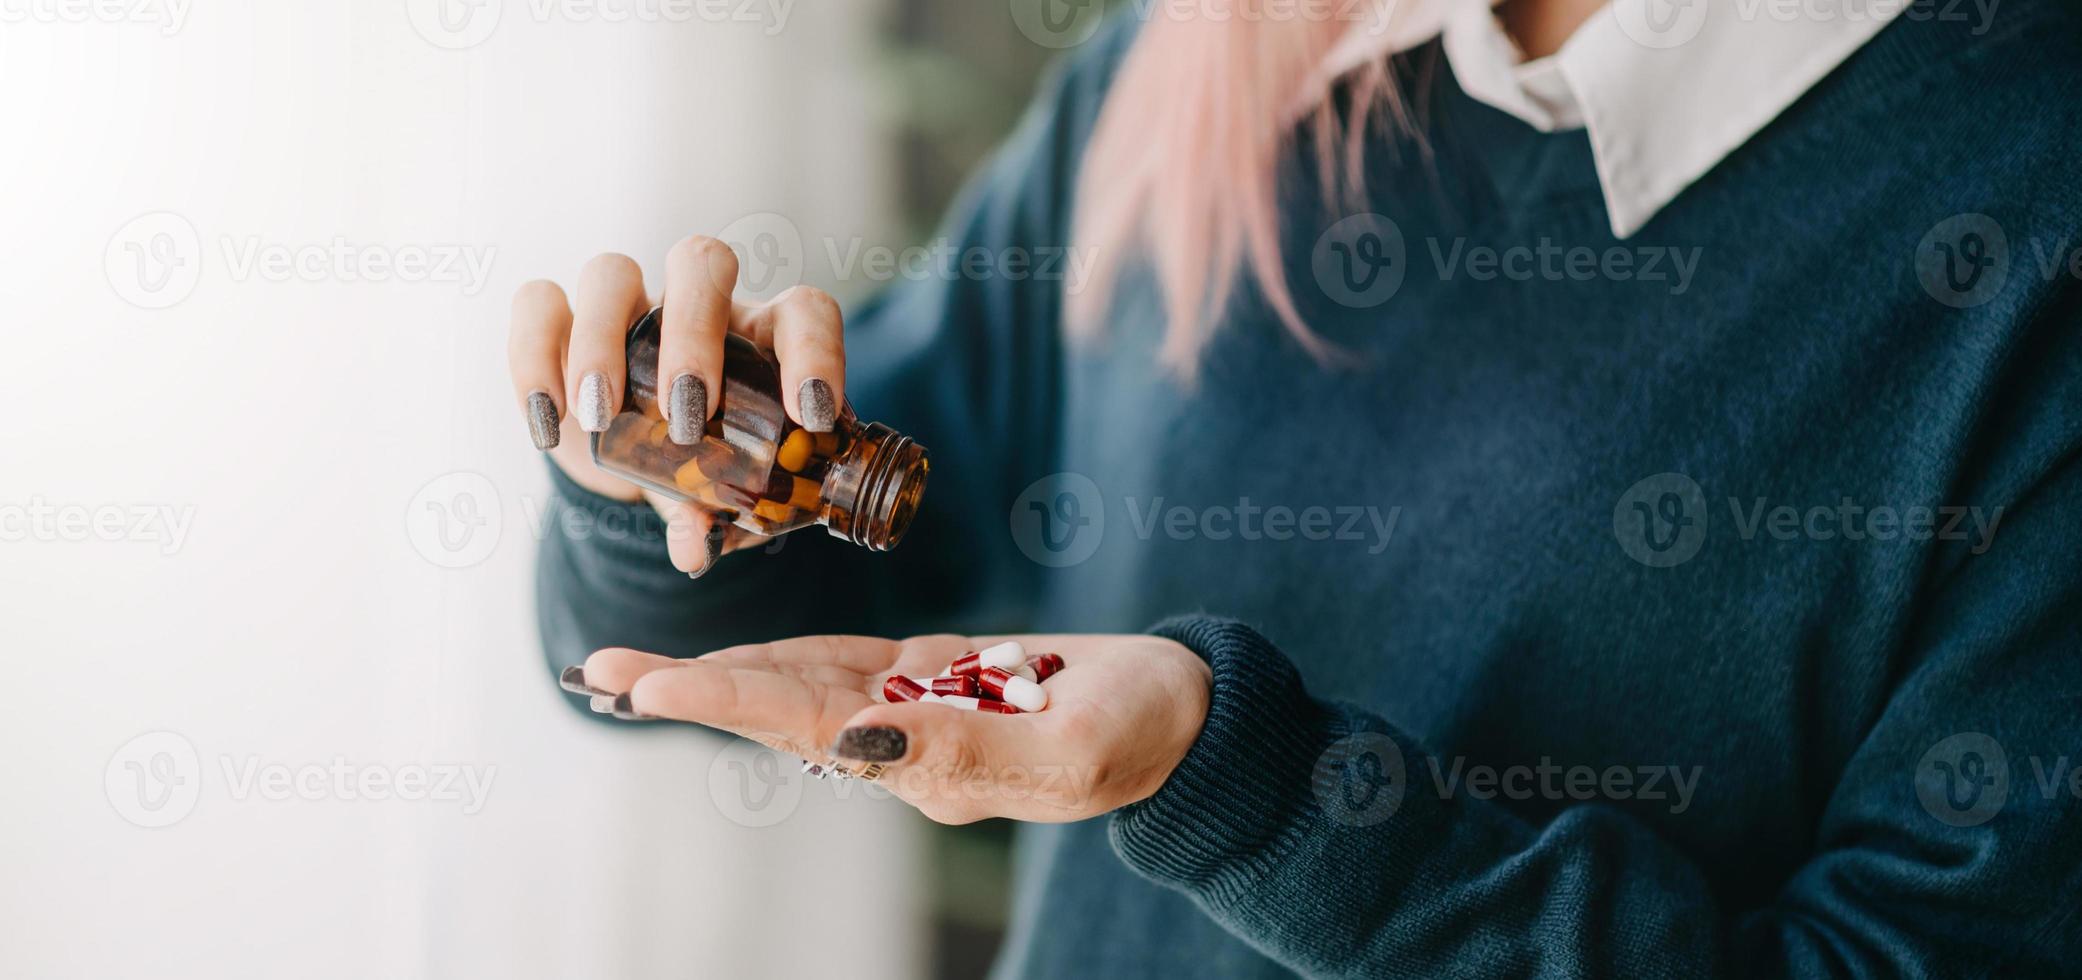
1121,714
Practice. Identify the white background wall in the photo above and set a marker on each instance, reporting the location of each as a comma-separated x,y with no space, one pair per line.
306,432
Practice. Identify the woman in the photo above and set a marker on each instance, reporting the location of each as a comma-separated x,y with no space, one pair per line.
1642,444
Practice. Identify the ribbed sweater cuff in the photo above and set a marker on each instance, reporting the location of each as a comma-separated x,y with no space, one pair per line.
1247,778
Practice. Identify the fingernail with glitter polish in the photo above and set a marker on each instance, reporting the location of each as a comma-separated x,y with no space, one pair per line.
712,545
595,407
820,411
877,744
543,425
601,703
626,711
574,680
689,409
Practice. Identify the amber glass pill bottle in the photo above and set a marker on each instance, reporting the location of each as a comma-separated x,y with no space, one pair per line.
755,466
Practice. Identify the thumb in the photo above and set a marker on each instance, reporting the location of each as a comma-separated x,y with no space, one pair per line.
949,743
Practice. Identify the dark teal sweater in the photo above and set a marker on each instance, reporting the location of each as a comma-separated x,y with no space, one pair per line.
1622,644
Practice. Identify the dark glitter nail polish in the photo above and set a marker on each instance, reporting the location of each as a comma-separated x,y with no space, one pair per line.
574,680
626,711
543,424
820,411
689,409
712,545
878,744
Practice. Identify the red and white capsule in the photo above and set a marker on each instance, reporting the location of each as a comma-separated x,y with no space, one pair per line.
1008,655
978,704
964,685
1013,689
1046,665
900,688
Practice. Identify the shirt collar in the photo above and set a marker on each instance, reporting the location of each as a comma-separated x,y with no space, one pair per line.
1665,89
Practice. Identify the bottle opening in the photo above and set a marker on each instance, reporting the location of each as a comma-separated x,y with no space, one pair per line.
873,504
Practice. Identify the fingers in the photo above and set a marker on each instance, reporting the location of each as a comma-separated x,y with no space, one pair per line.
700,276
535,358
617,670
804,713
957,766
610,297
694,538
860,654
808,340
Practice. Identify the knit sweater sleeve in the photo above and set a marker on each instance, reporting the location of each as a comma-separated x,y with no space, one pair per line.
1949,845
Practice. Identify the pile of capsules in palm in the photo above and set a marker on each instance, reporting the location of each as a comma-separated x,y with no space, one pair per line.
1000,679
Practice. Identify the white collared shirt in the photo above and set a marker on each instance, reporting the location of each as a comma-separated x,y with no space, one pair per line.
1665,88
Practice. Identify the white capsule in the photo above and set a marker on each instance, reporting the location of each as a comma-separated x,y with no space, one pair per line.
930,698
1009,655
1026,670
962,701
1016,691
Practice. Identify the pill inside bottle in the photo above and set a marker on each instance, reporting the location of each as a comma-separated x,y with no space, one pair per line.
754,466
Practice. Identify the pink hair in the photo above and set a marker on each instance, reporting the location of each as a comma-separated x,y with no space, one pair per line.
1183,164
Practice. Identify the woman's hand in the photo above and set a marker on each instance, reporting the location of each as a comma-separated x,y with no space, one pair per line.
569,367
1121,714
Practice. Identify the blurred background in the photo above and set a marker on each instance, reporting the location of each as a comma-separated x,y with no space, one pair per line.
268,511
